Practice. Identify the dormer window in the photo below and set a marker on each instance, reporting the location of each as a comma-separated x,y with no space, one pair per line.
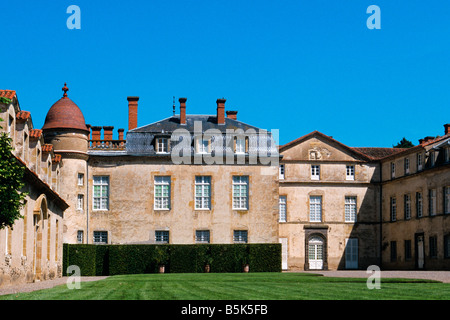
203,146
162,145
240,145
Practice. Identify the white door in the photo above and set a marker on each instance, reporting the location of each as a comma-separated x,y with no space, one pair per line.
351,253
284,253
420,252
315,253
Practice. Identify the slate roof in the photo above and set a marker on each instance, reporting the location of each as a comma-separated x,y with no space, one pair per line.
207,122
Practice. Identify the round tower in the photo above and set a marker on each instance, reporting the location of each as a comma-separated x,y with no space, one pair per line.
66,130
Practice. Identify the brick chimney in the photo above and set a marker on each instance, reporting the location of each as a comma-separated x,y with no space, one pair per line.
447,128
426,139
132,112
96,133
221,111
107,133
232,114
120,131
182,110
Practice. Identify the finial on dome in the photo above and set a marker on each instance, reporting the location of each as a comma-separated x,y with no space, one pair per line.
65,89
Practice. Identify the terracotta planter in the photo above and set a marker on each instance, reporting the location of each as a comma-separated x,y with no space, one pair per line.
161,268
207,268
246,268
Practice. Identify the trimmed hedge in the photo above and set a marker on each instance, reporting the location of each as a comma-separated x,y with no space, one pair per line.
97,260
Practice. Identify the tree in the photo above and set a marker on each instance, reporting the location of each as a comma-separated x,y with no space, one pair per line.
12,199
404,143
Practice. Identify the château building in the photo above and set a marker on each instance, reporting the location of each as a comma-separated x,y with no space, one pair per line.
212,178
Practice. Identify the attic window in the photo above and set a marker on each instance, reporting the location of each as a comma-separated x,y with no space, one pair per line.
241,145
162,145
203,145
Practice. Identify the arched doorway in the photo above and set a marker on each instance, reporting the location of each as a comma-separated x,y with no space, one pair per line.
315,253
40,214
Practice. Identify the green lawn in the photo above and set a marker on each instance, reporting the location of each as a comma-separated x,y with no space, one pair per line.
253,286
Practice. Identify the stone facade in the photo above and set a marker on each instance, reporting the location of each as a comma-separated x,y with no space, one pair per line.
32,249
329,194
330,205
117,194
416,206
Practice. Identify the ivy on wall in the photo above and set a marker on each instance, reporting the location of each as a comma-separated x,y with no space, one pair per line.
12,199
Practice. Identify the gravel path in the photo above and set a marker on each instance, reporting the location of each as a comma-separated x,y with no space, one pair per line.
443,276
28,287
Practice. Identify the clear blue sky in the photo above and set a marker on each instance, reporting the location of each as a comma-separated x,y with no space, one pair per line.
296,66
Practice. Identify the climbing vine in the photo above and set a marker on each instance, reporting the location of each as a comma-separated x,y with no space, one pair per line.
12,198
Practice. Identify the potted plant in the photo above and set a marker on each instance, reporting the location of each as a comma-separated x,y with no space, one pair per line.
208,263
161,257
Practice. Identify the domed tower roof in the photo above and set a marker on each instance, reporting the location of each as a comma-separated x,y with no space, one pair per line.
65,114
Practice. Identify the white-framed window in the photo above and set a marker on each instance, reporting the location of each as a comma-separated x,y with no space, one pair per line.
432,202
315,208
101,237
407,206
392,170
162,145
80,202
240,236
203,145
203,192
281,172
315,172
350,209
419,205
419,162
162,236
202,236
406,165
282,208
101,193
350,172
80,179
162,193
240,192
80,236
240,145
393,209
447,200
